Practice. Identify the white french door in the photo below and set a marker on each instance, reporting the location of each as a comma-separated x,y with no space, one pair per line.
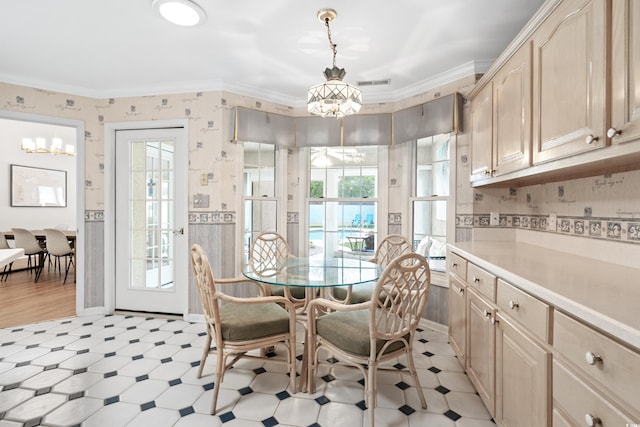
151,216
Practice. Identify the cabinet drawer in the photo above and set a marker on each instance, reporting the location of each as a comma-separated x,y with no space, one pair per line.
525,309
482,280
579,401
614,366
458,266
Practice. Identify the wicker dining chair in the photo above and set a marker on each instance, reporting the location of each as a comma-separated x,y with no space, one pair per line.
239,325
367,334
268,252
389,248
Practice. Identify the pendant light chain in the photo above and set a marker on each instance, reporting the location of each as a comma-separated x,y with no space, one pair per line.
332,45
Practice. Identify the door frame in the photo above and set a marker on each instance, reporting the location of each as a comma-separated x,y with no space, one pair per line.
80,177
110,201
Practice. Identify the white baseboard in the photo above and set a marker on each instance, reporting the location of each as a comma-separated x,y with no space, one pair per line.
430,324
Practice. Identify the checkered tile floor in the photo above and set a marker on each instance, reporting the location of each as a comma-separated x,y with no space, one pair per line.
141,371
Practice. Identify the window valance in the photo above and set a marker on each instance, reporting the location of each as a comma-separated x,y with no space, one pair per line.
442,115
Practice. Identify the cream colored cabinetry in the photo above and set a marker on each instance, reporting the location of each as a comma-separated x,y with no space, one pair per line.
457,306
569,80
482,136
481,335
458,317
625,71
481,351
594,376
523,365
501,120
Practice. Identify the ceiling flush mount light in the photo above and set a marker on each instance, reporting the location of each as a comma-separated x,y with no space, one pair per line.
333,98
180,12
40,146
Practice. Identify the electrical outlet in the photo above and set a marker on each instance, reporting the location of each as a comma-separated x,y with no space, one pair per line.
552,221
203,179
494,219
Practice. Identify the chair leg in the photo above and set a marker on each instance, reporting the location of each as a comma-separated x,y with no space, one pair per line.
219,375
370,391
5,273
41,261
205,352
416,381
68,264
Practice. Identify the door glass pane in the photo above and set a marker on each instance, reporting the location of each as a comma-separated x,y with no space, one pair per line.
152,214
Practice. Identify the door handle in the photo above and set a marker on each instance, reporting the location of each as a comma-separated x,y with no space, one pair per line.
179,231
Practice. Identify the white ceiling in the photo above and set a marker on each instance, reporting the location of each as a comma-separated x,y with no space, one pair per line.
271,49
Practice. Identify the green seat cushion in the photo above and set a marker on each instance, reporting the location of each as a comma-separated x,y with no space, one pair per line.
244,322
359,293
349,331
296,291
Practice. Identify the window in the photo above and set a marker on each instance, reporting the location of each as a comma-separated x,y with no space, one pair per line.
260,203
343,201
431,197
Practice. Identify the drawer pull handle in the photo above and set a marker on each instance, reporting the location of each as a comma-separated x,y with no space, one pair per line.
461,291
494,320
592,358
476,279
590,139
513,305
487,313
592,421
454,265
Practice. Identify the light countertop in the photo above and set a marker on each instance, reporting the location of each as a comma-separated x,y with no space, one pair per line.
604,294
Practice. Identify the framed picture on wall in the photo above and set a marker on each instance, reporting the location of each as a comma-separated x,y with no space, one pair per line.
38,187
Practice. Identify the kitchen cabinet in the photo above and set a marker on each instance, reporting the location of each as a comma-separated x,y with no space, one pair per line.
569,80
501,120
481,350
458,318
625,72
482,136
547,352
523,372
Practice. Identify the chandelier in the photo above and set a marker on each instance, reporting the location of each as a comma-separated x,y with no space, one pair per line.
40,146
333,98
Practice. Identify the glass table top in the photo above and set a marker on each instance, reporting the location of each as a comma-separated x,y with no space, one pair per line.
314,272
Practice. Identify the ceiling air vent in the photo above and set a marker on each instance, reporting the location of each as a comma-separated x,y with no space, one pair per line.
384,82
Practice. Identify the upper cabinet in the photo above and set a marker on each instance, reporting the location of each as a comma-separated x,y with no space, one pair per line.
569,80
501,120
563,101
625,72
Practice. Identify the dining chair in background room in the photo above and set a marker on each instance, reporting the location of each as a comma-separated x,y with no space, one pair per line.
58,246
382,329
6,271
389,248
241,325
26,240
268,252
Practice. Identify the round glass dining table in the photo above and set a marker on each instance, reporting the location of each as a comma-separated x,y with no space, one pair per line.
313,272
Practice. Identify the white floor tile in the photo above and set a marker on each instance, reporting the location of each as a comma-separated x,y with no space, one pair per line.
152,381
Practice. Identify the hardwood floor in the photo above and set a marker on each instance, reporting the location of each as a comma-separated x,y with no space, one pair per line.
23,302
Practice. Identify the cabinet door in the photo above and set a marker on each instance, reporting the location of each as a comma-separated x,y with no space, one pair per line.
512,114
482,133
481,350
523,371
457,317
625,71
569,80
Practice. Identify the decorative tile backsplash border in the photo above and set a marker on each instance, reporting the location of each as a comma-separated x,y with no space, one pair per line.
215,217
94,216
395,218
293,217
614,229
